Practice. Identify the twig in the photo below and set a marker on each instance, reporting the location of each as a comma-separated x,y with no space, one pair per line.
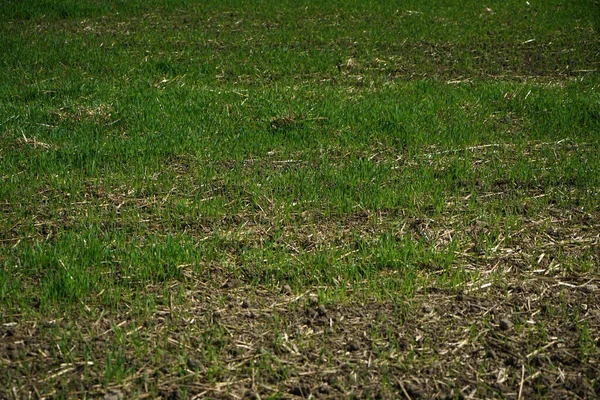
522,381
536,352
57,374
404,390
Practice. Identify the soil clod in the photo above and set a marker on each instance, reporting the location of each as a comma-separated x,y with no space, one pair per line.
113,394
321,311
505,324
300,390
352,346
324,388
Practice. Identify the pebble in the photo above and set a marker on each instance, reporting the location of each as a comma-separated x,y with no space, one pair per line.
505,324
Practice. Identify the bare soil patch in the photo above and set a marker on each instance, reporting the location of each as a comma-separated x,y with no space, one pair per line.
523,337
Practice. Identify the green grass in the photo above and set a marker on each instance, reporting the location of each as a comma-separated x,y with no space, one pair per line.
162,163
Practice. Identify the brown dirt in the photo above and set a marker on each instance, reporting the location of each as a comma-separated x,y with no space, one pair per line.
524,337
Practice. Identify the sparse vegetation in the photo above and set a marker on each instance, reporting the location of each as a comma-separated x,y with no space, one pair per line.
340,199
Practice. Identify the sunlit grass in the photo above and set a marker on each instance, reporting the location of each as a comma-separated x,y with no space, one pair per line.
162,155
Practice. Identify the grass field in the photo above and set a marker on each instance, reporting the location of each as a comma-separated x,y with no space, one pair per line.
299,199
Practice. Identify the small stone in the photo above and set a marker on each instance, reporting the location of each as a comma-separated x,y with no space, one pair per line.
505,324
